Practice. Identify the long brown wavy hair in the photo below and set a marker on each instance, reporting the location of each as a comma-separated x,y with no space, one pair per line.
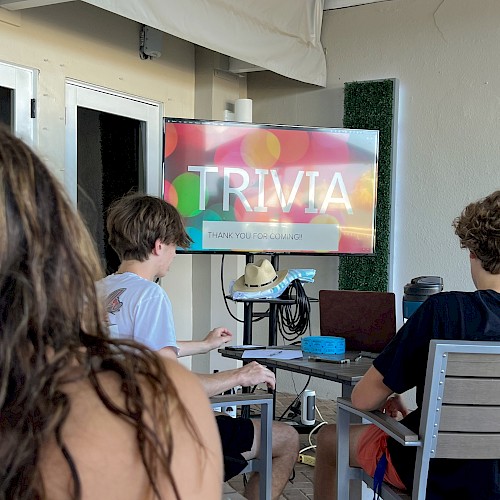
50,318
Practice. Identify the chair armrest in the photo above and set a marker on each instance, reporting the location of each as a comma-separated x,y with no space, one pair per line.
241,399
395,429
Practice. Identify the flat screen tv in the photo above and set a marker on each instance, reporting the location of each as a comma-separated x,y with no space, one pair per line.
256,188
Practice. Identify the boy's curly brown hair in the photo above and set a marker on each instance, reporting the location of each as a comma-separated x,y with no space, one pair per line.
478,228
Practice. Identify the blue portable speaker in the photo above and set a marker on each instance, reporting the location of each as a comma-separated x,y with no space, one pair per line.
323,344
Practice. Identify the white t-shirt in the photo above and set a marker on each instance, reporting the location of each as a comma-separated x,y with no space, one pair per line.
138,309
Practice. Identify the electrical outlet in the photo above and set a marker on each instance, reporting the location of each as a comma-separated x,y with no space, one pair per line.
307,459
231,411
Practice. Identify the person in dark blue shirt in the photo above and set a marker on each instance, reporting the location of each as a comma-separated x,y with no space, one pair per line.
402,366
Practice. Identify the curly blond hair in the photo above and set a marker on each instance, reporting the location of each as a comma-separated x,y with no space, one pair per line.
478,228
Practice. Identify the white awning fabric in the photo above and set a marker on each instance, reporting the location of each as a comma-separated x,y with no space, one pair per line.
279,35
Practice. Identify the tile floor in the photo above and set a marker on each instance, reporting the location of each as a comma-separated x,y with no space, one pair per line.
301,486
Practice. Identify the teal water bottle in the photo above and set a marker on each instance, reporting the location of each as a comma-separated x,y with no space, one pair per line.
417,291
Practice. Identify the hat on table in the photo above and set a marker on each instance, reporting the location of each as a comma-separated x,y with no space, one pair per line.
259,277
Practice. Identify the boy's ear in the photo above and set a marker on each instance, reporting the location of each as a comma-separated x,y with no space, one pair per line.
157,247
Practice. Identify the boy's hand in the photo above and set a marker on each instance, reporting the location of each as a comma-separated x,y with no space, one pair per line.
217,337
394,406
254,373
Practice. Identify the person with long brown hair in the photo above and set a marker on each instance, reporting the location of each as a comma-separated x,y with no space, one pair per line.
83,415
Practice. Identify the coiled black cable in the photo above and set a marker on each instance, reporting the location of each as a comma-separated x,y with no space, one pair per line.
294,319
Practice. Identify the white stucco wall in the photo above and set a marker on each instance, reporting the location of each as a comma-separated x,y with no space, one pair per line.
445,56
78,41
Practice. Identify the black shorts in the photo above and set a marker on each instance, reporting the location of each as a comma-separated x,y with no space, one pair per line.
236,435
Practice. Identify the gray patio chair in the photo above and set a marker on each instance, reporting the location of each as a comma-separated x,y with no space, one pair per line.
460,415
262,464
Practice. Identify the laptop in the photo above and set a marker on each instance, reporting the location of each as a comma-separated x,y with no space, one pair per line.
367,320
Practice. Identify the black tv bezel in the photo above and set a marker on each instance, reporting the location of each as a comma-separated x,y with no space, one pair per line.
198,121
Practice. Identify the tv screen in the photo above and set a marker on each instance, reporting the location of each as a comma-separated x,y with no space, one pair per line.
255,188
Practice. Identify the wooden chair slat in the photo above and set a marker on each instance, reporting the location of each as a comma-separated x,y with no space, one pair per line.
473,365
461,418
468,445
458,390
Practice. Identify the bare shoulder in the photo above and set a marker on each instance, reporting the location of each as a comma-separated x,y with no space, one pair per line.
105,451
198,466
196,451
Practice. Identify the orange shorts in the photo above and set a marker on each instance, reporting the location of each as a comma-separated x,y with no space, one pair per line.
371,446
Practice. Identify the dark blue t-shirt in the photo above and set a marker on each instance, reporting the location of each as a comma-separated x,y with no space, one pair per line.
403,363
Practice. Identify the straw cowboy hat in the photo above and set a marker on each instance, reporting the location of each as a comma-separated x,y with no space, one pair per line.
259,277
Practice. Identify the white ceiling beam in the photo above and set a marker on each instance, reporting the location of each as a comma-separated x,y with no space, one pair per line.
341,4
27,4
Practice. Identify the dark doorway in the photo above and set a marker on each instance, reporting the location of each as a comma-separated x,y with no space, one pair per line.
110,164
6,106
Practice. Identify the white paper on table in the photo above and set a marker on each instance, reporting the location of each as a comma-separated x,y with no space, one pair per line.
244,346
273,353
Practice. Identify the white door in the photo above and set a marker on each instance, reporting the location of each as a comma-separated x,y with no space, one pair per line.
17,100
148,113
113,146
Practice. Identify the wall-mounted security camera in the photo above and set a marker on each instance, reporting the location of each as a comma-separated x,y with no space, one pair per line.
150,43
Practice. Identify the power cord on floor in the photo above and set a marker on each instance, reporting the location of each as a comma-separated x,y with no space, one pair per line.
311,445
319,413
308,459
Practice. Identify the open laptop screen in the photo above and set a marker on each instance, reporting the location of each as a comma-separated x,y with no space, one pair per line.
367,320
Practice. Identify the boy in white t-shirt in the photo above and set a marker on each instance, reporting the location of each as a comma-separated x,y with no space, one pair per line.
145,232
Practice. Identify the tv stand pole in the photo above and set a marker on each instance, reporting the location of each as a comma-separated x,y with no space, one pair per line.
273,310
248,312
248,323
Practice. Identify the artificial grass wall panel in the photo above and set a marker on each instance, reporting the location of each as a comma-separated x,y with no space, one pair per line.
372,105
